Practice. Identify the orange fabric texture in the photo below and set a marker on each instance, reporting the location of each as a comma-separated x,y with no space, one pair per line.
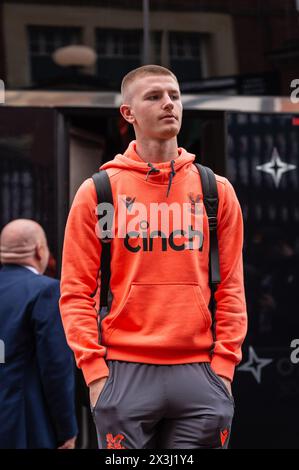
159,312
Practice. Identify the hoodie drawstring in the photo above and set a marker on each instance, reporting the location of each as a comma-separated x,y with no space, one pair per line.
156,170
171,176
151,170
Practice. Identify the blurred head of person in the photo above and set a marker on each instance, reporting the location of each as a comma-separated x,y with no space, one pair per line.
24,242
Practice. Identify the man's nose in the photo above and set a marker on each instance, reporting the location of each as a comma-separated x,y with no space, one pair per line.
167,102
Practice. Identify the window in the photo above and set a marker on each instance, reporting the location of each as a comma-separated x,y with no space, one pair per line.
115,43
185,50
43,41
156,43
184,46
119,51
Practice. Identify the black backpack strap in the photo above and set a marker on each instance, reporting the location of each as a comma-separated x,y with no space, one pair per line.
210,199
104,194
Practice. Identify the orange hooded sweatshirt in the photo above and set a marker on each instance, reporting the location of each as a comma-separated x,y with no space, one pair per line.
159,286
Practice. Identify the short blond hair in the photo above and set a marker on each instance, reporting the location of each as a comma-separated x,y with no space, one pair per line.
142,71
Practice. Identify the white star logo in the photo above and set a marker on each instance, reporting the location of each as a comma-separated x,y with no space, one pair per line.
276,167
255,364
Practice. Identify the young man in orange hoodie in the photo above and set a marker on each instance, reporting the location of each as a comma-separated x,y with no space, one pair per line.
159,377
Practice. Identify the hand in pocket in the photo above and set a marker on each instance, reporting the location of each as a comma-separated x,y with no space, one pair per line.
227,383
95,389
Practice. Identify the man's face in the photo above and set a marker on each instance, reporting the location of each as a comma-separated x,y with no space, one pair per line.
155,107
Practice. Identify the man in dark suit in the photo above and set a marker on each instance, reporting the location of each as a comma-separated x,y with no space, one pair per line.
37,407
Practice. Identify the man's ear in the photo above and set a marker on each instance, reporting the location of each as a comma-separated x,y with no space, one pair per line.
38,252
127,114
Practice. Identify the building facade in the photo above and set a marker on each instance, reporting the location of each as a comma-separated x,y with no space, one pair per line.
198,40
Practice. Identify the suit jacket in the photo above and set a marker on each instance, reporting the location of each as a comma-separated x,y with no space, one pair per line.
37,407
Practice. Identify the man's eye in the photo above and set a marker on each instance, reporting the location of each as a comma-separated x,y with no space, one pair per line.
152,97
175,97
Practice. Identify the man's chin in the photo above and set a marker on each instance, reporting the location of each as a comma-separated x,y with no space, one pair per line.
167,134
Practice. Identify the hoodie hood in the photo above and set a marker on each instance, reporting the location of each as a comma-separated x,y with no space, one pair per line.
158,172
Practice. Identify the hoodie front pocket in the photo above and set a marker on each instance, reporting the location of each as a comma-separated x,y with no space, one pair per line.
155,313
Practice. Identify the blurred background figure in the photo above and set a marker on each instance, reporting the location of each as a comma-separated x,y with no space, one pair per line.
37,378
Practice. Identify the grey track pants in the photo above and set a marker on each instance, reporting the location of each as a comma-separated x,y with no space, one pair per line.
149,406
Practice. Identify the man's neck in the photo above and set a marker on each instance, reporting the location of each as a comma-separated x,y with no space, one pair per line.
157,151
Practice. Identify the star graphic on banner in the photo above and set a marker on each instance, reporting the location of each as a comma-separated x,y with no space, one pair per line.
276,167
255,364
